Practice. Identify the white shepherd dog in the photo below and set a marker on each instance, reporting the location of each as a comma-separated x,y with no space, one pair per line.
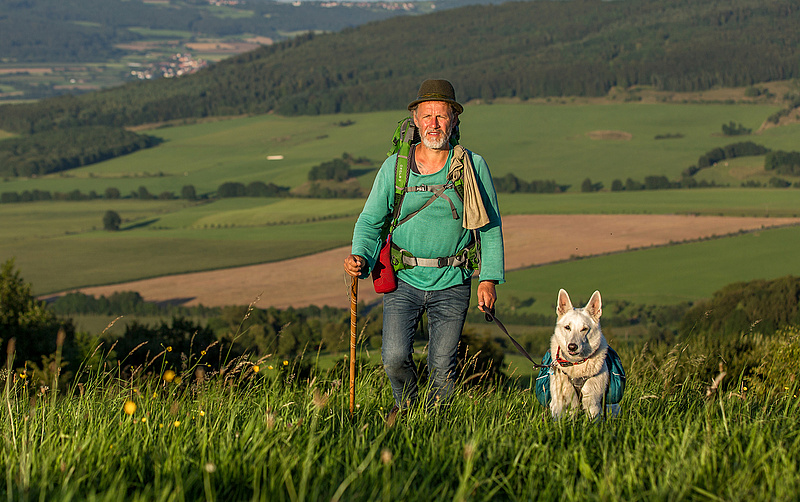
578,347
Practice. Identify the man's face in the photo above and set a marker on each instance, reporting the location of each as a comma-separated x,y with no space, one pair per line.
435,121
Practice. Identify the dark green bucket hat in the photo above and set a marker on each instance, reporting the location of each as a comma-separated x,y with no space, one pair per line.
437,90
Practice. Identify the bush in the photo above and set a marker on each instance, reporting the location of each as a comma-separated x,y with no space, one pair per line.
783,162
759,306
111,221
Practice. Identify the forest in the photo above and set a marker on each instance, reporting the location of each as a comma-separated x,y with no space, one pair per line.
523,50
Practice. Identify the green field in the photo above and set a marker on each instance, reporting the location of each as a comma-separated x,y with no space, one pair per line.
536,142
663,275
61,245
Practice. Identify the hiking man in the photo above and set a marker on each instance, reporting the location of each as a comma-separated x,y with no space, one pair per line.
448,210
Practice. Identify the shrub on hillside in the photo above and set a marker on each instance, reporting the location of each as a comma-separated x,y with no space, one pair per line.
759,306
36,331
783,162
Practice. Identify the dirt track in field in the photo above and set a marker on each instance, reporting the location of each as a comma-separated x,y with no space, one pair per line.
529,240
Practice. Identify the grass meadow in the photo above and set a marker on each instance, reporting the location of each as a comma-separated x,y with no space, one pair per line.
281,431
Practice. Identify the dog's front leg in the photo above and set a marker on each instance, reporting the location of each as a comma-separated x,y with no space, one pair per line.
593,391
562,395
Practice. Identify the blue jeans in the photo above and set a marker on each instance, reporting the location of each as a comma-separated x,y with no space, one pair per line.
402,311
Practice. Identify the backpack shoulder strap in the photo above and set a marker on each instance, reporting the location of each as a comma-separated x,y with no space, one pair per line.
401,145
405,135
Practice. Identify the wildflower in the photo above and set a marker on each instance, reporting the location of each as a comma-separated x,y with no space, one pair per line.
129,407
256,368
176,423
155,395
209,467
169,349
111,446
285,362
202,352
144,419
169,375
202,413
160,426
270,367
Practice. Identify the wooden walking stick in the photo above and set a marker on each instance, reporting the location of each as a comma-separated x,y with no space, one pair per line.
353,320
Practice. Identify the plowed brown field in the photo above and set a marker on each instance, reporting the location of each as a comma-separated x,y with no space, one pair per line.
529,240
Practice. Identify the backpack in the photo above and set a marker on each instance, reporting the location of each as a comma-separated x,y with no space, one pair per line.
405,136
616,379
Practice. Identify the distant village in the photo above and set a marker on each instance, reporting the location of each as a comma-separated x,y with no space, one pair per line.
407,6
179,64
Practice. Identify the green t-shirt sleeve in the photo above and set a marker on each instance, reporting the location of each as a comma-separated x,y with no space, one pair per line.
367,231
491,235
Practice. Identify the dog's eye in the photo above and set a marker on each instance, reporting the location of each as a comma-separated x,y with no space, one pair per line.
585,329
568,327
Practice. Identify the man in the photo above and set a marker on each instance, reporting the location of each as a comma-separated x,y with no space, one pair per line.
436,230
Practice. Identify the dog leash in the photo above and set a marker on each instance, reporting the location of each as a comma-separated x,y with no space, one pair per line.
490,317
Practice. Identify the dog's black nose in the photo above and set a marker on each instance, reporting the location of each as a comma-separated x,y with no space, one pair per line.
572,347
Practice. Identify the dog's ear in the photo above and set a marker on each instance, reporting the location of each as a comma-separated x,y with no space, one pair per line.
564,304
595,306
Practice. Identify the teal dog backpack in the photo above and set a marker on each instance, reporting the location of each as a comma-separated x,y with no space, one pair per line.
616,379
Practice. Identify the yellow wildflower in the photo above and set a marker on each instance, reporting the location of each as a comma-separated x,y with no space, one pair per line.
177,423
286,363
256,369
270,367
169,375
129,407
169,349
202,413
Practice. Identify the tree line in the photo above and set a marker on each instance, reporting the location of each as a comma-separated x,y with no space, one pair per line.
188,192
58,150
36,331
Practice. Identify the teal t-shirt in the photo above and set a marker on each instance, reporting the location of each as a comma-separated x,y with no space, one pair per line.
433,232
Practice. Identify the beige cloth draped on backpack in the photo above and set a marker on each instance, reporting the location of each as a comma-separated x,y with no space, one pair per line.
475,215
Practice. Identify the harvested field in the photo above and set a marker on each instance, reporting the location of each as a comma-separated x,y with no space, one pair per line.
529,239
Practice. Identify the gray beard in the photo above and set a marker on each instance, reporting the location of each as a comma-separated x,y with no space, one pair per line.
442,144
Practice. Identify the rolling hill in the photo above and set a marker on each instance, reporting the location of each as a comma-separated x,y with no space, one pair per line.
523,50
